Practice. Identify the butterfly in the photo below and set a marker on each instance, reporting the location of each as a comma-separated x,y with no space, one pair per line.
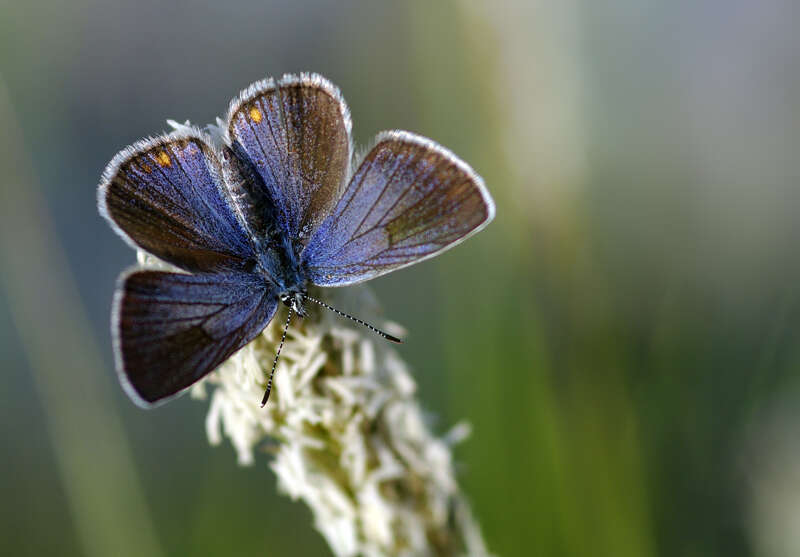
253,219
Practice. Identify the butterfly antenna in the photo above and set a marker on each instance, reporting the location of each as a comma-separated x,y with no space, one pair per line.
385,335
275,361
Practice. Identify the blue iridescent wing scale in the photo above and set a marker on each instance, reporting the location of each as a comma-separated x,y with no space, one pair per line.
165,195
295,134
171,329
409,200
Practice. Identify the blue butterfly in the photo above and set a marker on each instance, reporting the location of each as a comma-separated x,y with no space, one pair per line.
255,222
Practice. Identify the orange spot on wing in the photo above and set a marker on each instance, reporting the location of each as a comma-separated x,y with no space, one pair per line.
255,115
146,168
163,159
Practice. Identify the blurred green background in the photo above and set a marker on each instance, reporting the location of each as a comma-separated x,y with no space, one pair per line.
623,338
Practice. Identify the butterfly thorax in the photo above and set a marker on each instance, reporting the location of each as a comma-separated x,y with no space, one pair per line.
279,264
277,251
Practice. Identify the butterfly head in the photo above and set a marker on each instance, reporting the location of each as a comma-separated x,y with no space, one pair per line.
294,300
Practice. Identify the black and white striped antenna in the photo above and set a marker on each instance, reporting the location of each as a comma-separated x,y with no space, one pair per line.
383,334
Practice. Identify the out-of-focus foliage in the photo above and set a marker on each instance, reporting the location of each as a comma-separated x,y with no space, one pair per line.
623,338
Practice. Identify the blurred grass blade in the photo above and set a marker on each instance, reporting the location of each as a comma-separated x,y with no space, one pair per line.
92,453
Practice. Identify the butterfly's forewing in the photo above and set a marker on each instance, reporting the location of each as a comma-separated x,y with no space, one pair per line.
409,200
171,329
295,135
165,195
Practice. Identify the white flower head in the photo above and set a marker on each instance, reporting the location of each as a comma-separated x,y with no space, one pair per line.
352,441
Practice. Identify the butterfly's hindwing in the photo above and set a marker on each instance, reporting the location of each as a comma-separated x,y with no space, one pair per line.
409,200
171,329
